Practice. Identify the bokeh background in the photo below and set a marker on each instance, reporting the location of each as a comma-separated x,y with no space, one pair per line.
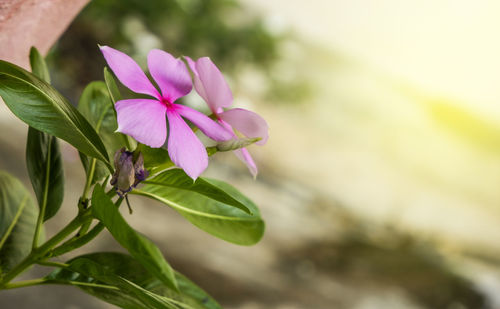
379,183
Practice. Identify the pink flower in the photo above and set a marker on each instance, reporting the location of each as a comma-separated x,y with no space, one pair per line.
212,87
144,119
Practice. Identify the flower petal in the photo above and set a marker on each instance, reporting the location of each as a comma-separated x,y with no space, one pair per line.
245,156
184,148
170,74
198,85
128,72
242,153
142,119
210,84
247,122
208,126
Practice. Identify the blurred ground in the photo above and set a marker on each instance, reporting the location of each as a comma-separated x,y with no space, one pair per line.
379,191
315,254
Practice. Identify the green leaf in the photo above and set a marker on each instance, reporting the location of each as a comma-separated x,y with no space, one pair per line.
96,106
43,157
120,270
98,281
38,65
115,96
18,216
100,170
178,179
207,211
114,93
39,105
44,163
141,248
155,159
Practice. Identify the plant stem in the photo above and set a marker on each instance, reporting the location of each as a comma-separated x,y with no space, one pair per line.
21,284
84,228
77,242
25,283
95,285
81,240
41,214
53,264
90,176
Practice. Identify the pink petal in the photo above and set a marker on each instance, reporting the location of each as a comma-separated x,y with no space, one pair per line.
245,156
208,126
170,74
242,153
198,85
247,122
143,119
128,72
210,84
184,148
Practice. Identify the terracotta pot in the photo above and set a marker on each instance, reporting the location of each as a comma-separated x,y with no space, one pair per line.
39,23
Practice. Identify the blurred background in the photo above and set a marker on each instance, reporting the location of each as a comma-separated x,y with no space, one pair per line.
379,183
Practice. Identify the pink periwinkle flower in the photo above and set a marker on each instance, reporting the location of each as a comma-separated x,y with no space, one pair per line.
212,87
144,119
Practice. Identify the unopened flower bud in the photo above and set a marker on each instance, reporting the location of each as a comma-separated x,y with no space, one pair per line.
128,172
234,144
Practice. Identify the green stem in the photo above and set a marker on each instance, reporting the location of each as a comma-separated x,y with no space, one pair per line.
41,214
25,283
95,285
84,228
93,161
90,176
77,242
21,284
41,251
81,240
52,264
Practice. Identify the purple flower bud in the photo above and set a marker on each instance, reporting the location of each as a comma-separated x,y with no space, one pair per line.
127,173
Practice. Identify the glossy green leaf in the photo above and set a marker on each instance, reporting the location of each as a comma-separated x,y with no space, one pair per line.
38,65
113,265
18,216
43,158
141,248
155,159
114,93
178,179
100,170
44,163
98,281
96,106
115,96
42,107
209,214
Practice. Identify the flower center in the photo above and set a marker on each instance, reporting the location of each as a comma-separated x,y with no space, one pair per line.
166,102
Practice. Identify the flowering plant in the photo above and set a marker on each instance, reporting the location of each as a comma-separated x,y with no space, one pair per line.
120,144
